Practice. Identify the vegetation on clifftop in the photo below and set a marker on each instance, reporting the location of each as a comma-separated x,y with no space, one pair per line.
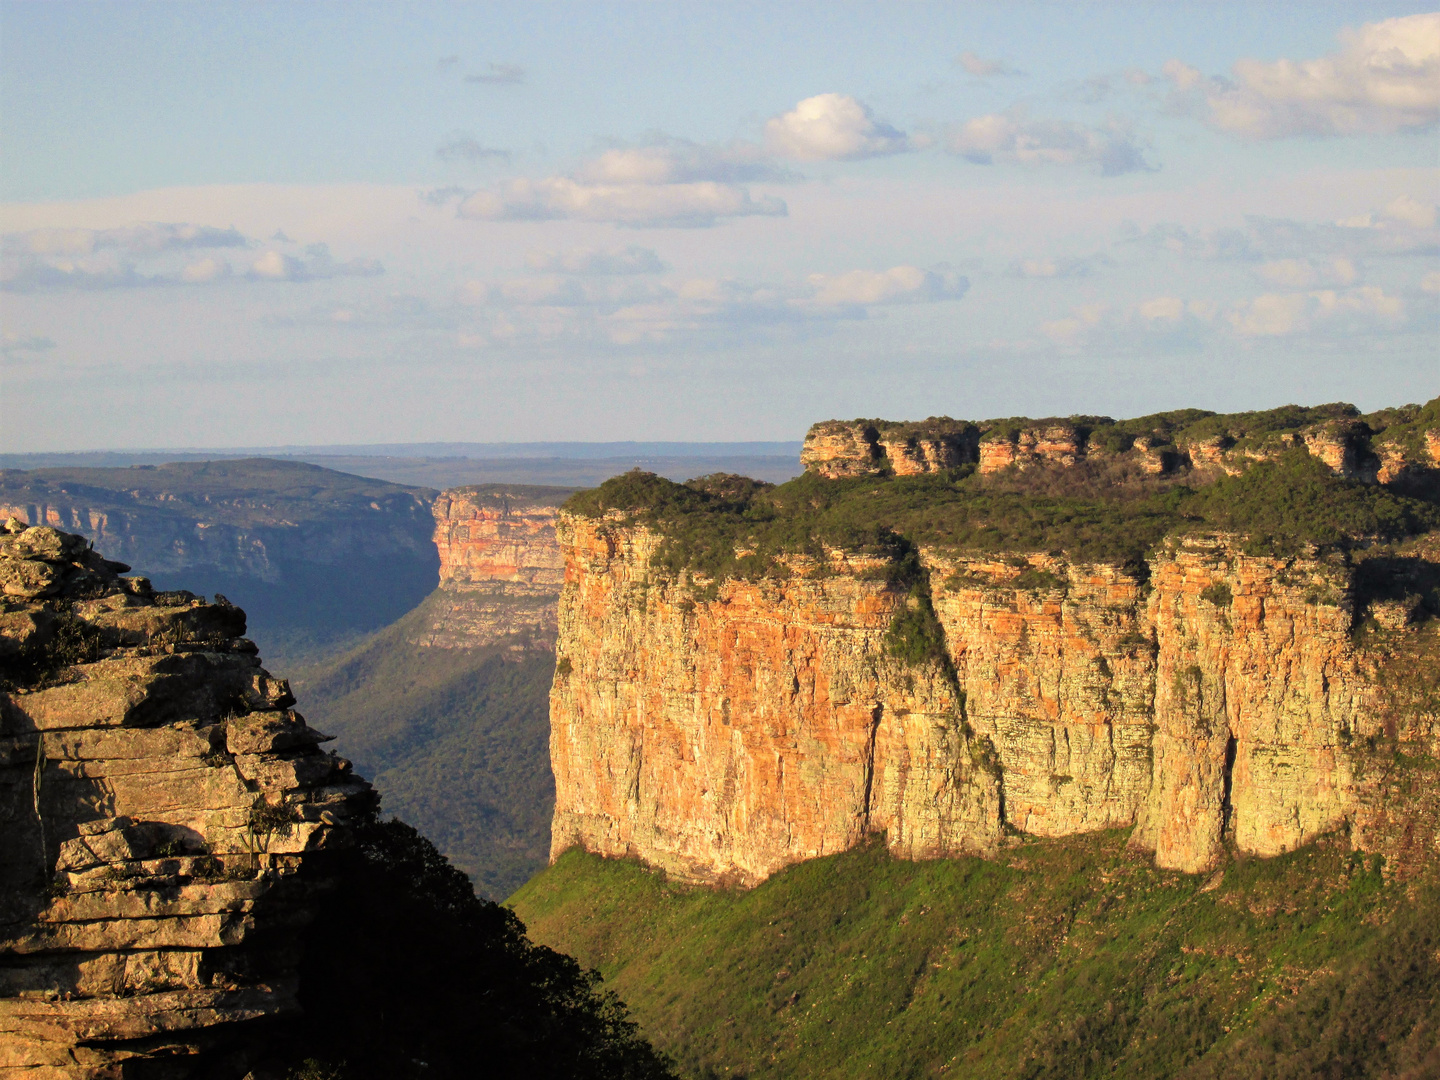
727,526
1063,958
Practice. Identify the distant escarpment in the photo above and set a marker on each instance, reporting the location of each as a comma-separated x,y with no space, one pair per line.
446,709
314,556
1389,446
1242,659
500,567
161,805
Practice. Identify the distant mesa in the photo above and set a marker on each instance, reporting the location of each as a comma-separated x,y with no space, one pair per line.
1381,448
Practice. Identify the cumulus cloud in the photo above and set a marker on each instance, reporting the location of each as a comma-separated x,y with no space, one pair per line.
1015,138
679,161
467,150
832,127
1284,314
626,260
1385,78
898,285
134,255
314,264
982,68
1430,283
498,75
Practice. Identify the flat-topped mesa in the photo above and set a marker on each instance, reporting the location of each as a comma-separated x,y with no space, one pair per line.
839,448
162,811
500,567
1394,445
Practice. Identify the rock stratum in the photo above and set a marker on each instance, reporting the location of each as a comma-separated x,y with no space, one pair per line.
722,726
165,818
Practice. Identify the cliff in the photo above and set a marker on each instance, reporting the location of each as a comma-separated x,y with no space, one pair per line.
1393,445
163,808
500,568
723,719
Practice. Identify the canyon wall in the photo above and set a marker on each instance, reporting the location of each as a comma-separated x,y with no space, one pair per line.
725,731
500,568
162,811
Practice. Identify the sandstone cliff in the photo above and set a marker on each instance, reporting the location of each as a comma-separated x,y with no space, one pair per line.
162,808
1385,447
722,730
500,568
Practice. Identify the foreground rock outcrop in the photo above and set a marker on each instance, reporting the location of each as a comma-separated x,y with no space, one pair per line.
723,731
164,814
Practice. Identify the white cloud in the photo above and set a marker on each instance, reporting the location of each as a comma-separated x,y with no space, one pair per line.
982,68
679,161
205,270
150,238
1430,283
1163,309
626,260
1284,314
832,127
1014,138
1384,79
898,285
639,205
315,264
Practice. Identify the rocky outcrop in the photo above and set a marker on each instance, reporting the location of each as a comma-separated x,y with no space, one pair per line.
838,448
1352,446
162,808
722,731
500,568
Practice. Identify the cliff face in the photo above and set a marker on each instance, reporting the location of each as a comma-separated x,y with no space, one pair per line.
1224,699
1162,444
500,568
725,739
161,810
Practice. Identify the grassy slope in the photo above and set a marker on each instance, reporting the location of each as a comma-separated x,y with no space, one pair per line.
456,741
1067,958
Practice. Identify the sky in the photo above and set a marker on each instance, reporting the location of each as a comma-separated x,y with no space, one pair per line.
249,224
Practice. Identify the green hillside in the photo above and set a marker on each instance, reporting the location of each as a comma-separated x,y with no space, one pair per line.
1062,959
455,740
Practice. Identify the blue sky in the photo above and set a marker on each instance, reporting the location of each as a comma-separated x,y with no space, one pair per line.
239,224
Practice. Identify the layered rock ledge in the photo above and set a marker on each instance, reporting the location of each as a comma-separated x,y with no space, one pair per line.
164,814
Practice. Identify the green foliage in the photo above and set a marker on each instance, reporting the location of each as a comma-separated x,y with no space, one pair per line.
915,635
1218,594
406,974
1064,959
1033,577
563,667
455,740
1285,504
1091,512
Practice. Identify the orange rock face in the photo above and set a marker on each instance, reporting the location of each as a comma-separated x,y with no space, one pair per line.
725,738
500,570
